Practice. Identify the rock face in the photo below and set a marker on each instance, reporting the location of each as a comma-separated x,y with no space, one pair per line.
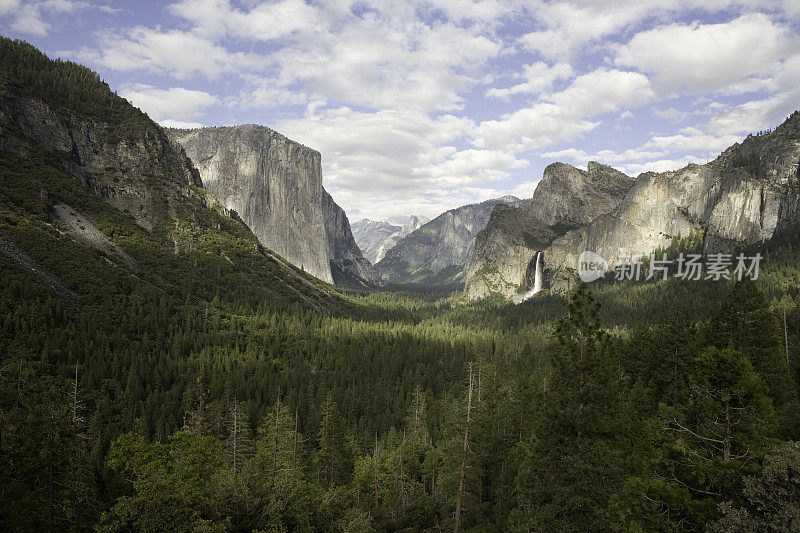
275,185
137,169
569,197
414,223
746,195
566,198
438,252
272,183
347,263
370,234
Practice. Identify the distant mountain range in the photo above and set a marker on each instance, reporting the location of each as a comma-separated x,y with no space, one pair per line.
375,238
438,252
264,191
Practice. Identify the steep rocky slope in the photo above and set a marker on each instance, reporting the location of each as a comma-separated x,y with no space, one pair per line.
346,262
565,199
746,195
133,165
370,234
438,252
414,223
275,185
82,170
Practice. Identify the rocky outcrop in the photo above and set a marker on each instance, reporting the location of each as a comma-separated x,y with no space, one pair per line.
347,263
745,196
568,197
565,199
370,235
274,185
414,223
438,252
135,167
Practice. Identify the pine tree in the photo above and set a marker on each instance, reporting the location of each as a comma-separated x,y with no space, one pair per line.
334,458
573,463
744,322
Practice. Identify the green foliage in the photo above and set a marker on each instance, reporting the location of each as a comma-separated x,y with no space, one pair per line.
574,462
67,84
209,388
770,500
170,487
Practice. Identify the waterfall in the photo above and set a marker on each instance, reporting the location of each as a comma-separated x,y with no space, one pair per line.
537,282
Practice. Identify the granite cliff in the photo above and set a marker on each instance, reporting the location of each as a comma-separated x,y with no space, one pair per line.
746,195
414,223
275,186
565,199
438,252
348,265
370,235
85,171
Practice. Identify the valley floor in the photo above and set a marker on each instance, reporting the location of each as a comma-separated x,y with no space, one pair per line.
153,409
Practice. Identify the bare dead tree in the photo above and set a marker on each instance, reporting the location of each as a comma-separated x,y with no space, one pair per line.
463,456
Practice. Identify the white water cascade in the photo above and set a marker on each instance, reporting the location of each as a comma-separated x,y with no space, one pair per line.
537,282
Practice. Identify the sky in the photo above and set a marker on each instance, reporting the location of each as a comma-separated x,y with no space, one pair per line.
422,106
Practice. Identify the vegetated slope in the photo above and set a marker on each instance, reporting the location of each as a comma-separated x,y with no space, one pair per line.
71,149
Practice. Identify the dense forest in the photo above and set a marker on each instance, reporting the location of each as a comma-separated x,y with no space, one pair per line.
182,395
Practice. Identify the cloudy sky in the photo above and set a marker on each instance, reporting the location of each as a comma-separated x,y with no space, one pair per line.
422,106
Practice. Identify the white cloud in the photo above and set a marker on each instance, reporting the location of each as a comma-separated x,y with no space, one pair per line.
694,141
661,165
538,77
8,6
28,19
175,53
170,123
379,64
30,16
472,167
386,58
608,157
265,22
464,10
707,57
542,125
262,92
670,113
563,116
176,103
603,91
569,27
392,163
